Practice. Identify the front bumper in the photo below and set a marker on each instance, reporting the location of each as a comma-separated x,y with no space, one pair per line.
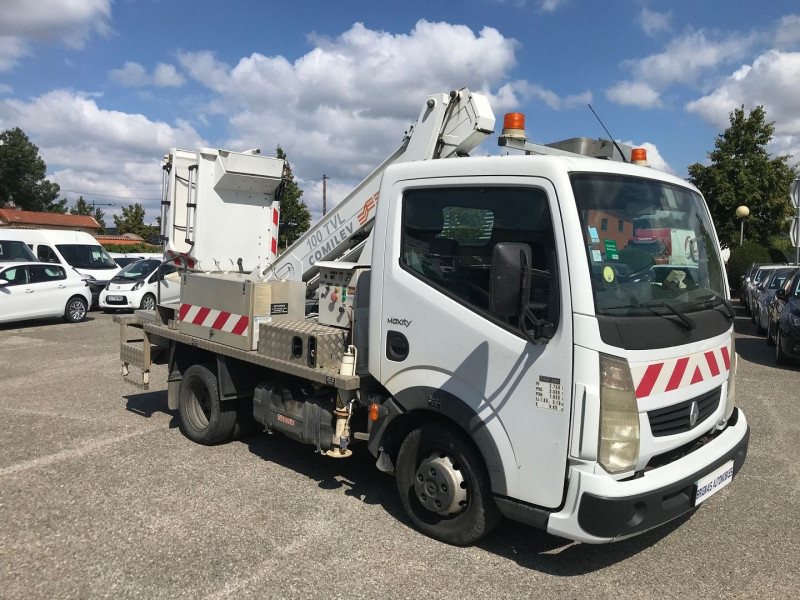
600,509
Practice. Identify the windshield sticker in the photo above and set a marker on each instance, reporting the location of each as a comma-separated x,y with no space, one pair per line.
596,256
611,249
608,274
593,235
550,393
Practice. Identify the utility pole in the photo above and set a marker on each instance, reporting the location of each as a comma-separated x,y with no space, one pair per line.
324,192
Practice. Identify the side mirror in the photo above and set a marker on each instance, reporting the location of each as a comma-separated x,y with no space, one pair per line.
511,278
780,294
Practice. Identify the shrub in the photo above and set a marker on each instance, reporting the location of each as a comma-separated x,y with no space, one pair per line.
132,248
742,257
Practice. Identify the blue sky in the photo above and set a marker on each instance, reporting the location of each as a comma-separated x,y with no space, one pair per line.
105,88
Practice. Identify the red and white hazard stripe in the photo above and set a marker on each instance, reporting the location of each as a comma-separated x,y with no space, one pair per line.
215,319
656,378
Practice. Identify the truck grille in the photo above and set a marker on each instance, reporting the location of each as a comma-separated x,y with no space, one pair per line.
675,419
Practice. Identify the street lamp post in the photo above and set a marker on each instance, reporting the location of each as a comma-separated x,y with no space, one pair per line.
742,213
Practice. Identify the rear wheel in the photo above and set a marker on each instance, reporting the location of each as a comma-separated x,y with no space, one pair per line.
148,302
75,311
444,485
203,418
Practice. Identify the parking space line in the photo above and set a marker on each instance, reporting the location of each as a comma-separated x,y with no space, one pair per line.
84,450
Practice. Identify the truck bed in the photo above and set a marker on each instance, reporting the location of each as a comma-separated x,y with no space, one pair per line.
144,334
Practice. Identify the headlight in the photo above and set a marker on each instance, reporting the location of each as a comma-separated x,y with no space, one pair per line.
138,285
87,277
619,417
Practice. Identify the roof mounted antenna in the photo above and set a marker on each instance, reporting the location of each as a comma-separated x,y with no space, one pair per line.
609,133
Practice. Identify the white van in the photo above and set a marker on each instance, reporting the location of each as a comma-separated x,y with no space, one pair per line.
75,249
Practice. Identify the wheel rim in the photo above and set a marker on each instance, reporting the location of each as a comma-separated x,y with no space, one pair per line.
440,486
77,310
199,406
148,303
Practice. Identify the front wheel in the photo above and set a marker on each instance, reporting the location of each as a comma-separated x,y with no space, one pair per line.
75,311
444,486
203,419
148,302
770,339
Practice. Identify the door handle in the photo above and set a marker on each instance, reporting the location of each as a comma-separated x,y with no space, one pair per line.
397,347
29,291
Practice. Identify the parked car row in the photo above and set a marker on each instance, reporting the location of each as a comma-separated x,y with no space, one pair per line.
51,273
770,294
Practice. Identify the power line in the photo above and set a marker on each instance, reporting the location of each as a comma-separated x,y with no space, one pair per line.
110,196
113,190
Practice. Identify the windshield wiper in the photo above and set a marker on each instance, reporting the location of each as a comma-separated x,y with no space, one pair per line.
729,312
686,321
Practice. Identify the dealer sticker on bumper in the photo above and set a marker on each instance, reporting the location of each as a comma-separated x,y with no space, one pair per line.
707,486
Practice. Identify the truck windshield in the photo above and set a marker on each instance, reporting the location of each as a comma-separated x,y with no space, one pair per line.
87,256
650,246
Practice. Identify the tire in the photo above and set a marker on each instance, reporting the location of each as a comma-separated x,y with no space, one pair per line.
444,486
770,339
203,418
780,355
75,310
148,302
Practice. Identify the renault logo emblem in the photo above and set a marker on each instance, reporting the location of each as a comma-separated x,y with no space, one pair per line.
694,414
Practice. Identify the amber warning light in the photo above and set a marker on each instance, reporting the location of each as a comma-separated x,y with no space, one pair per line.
639,156
514,126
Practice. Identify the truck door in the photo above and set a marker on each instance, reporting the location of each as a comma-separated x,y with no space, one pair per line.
442,349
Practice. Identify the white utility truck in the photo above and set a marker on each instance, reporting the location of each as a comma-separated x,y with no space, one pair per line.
477,324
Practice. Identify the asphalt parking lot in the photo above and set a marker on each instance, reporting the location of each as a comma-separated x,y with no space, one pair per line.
100,495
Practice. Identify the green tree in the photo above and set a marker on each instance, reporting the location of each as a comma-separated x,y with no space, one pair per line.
295,216
22,173
84,208
132,221
742,173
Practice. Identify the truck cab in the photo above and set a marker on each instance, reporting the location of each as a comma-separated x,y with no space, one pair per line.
600,366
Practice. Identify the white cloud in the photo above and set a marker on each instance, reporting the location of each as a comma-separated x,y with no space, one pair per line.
91,149
787,33
167,76
770,81
343,107
551,5
687,57
653,22
634,93
61,22
133,74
